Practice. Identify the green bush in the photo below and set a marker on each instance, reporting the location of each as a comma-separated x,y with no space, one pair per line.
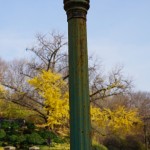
99,147
13,139
46,134
49,137
35,139
58,140
1,143
30,126
21,139
15,126
18,141
21,135
6,125
2,133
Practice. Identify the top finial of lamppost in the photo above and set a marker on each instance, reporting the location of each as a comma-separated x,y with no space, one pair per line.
76,8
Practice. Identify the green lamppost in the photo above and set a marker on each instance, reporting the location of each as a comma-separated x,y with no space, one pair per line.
80,128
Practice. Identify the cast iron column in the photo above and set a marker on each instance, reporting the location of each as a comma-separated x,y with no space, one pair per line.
80,128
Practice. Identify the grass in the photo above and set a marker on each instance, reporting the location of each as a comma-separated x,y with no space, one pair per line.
54,147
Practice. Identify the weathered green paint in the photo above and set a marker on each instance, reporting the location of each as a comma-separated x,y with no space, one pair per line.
80,128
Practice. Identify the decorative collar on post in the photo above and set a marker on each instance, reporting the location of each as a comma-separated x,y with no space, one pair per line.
76,8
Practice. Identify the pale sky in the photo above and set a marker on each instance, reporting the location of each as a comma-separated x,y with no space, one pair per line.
118,31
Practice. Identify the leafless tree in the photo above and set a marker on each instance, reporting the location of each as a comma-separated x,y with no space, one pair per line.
49,53
106,86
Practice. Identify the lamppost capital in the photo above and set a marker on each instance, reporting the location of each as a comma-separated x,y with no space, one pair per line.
76,8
